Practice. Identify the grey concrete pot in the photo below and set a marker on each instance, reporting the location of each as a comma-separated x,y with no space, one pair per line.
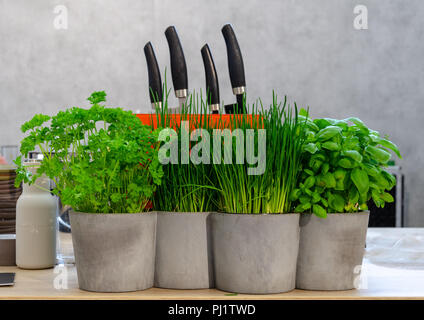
183,257
255,253
331,250
114,252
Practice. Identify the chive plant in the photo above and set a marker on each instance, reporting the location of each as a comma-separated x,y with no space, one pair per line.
240,192
186,187
229,187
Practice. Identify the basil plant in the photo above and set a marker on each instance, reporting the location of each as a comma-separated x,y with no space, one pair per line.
343,167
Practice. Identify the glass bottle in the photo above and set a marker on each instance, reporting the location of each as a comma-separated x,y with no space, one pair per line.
36,224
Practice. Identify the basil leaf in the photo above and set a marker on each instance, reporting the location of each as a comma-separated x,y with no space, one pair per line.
339,185
372,170
294,195
353,196
332,146
330,181
381,182
320,181
336,201
307,206
363,207
387,197
378,154
359,124
361,180
328,132
299,209
322,123
351,143
315,164
353,154
387,144
376,198
346,163
340,174
315,197
307,191
342,124
303,113
310,147
325,168
309,172
309,182
319,211
304,199
302,207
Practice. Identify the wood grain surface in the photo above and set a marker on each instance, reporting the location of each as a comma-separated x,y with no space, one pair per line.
393,268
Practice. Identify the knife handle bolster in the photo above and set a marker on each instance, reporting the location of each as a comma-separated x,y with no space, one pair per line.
214,108
182,93
239,90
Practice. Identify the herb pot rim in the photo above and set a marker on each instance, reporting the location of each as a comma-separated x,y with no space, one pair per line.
112,214
183,212
257,214
365,212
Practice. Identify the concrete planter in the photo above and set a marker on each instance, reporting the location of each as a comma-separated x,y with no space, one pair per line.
114,252
183,257
255,253
331,250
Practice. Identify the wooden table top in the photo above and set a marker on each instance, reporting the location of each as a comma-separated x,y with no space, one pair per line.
393,268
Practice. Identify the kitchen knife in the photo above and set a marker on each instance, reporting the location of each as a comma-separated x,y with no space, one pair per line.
155,82
178,65
212,85
236,70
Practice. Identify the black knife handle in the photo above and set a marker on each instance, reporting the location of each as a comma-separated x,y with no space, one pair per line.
235,59
155,82
212,85
178,63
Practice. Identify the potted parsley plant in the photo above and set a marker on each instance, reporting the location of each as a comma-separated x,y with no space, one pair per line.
104,164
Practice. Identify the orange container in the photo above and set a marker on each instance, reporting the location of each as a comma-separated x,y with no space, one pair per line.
213,120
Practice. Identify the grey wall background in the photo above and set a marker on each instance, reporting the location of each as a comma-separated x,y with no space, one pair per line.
306,49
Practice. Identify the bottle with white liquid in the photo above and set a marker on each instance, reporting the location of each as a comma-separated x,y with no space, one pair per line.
36,224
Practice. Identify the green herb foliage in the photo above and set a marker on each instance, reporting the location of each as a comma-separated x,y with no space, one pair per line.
186,187
343,167
228,187
270,192
102,160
